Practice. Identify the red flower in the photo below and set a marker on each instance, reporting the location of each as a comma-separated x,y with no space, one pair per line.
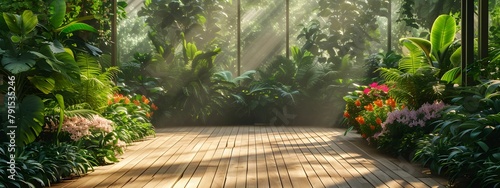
369,107
379,103
154,107
346,114
372,127
360,120
357,103
378,120
363,135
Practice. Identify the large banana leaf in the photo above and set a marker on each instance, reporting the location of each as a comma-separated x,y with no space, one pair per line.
75,26
29,119
415,58
442,34
57,9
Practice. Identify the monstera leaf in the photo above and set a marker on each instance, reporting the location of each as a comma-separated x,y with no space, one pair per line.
29,120
20,63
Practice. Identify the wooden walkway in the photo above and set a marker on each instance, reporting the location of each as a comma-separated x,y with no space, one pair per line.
249,156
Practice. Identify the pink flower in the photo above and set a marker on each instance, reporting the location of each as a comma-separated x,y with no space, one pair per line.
367,90
384,88
374,85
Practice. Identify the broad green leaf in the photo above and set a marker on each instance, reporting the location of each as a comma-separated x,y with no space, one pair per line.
424,44
456,57
44,84
453,75
75,26
442,34
414,59
15,39
483,146
29,22
22,63
12,21
60,101
57,10
29,120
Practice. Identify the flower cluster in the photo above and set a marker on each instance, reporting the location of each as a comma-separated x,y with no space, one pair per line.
136,102
79,127
367,108
413,118
371,118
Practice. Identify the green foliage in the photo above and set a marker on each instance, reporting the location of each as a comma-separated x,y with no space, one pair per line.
41,164
426,63
416,14
463,145
131,117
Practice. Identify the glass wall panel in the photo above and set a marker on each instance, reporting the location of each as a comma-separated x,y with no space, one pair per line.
262,31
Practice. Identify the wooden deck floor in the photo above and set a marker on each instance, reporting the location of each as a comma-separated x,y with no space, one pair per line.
249,156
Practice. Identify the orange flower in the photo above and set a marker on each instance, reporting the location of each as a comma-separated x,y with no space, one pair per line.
346,114
360,120
369,107
127,100
357,103
145,100
110,102
372,127
154,107
117,99
137,103
378,120
148,115
363,135
391,102
379,103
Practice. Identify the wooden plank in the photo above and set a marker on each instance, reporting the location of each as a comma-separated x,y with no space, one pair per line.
221,175
170,148
271,164
309,155
261,163
303,174
280,157
251,178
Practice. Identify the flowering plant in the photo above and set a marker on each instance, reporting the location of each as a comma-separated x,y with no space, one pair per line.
402,128
366,107
132,115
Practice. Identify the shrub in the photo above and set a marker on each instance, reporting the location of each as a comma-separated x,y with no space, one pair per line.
464,145
403,128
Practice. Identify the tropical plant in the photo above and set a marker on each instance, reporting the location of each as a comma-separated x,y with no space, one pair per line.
463,146
131,116
426,63
41,164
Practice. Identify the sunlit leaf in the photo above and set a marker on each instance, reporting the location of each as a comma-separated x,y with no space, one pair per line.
57,10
